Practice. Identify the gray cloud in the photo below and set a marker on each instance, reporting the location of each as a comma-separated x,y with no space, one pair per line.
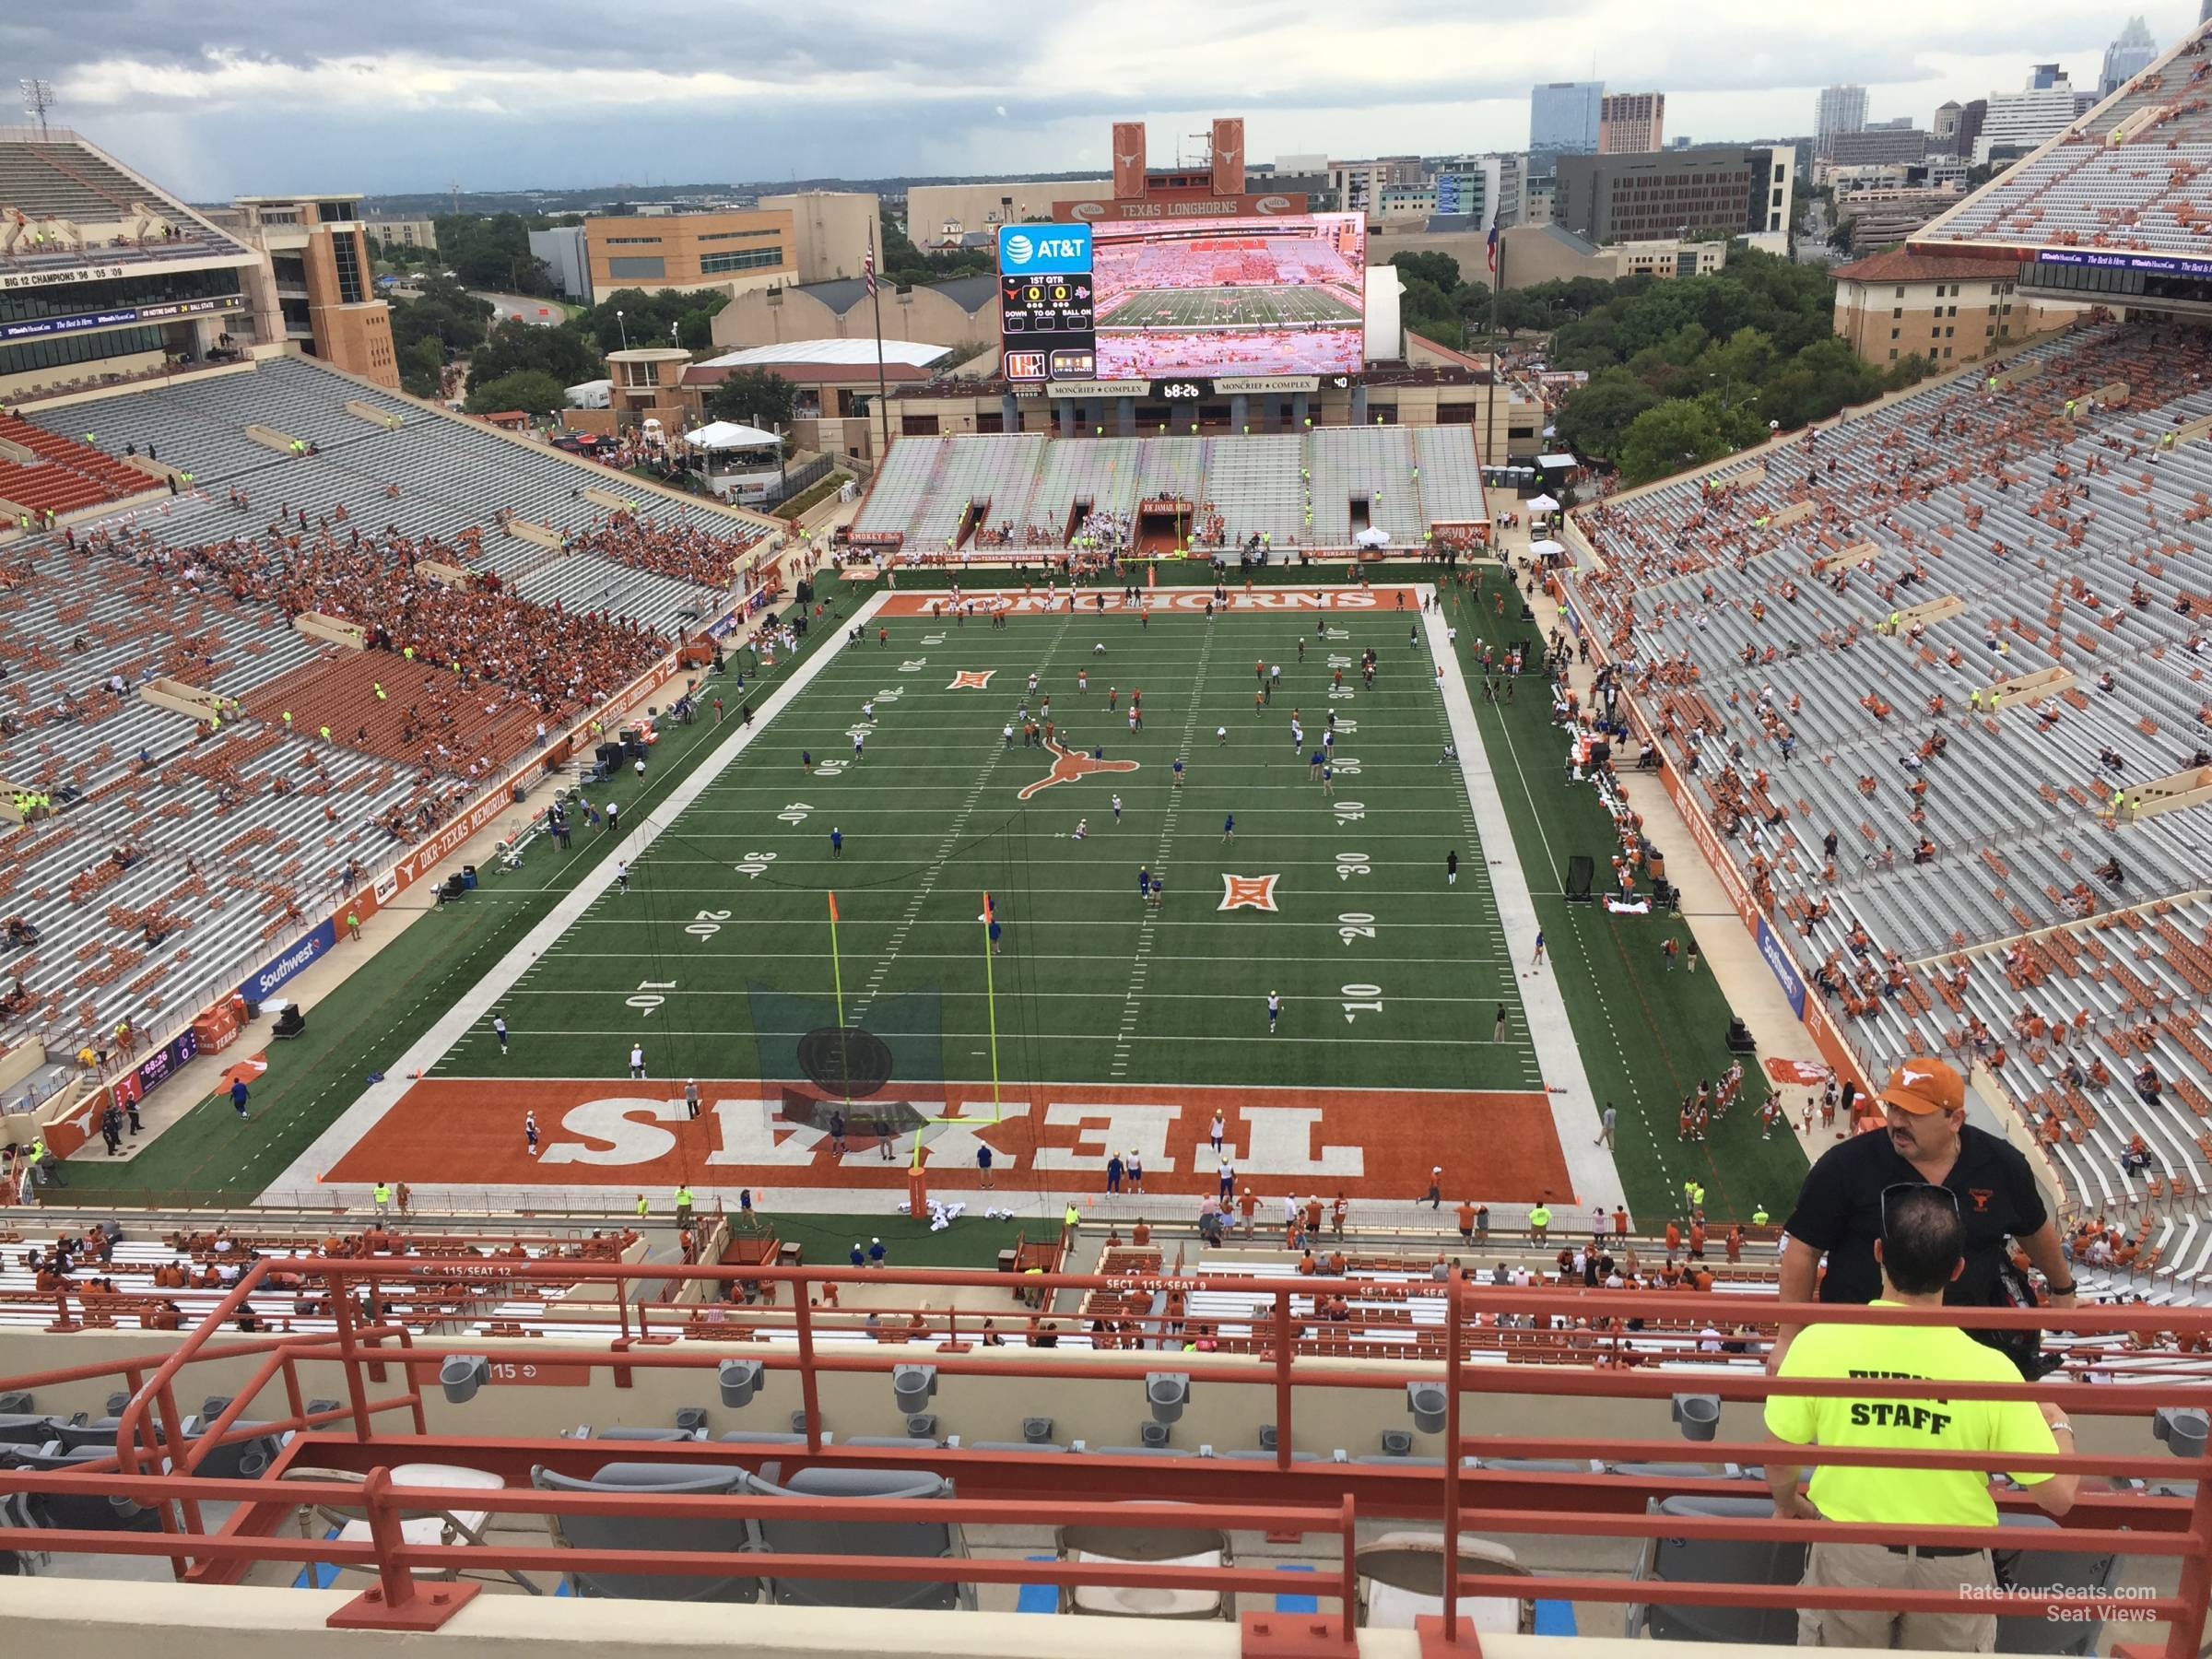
222,97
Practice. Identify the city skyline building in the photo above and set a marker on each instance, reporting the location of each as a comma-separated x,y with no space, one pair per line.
2130,53
1563,117
1631,123
1841,109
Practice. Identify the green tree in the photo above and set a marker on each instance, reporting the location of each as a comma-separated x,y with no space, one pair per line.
647,319
421,367
492,251
754,397
899,261
1655,367
1678,433
1515,313
1439,269
1428,309
1596,417
445,312
402,256
695,328
527,390
561,353
1590,344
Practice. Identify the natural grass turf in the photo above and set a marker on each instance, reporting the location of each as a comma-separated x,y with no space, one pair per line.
973,1241
1140,309
1647,1036
718,957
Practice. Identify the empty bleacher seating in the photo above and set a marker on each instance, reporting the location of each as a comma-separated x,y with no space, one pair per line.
2064,528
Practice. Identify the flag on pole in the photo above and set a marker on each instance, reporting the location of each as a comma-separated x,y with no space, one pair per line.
867,265
990,912
833,907
1490,247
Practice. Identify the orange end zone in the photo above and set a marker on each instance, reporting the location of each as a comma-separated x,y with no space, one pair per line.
1368,1144
1165,601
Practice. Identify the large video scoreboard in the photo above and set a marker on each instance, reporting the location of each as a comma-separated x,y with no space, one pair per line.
1225,298
1047,315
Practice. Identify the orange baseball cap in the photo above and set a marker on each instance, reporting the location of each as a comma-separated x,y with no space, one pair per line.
1923,1085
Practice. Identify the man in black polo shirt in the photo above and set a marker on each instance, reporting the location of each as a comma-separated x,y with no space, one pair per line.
1925,1138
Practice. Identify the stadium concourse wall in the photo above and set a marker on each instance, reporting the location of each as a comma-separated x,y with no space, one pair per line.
69,1122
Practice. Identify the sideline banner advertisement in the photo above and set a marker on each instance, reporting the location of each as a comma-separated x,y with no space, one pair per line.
1785,971
278,970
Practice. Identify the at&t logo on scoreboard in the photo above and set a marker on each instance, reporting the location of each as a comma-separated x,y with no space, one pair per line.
1043,250
1046,309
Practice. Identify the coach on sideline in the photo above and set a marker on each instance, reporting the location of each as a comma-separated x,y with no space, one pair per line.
1920,1251
1924,1140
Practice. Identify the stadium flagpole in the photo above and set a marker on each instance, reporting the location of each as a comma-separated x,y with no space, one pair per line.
991,1002
883,396
1489,416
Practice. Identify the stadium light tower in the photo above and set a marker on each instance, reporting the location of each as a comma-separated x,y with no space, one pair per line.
38,98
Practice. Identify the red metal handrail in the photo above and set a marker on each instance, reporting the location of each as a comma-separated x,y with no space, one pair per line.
1587,1505
2185,1610
395,1561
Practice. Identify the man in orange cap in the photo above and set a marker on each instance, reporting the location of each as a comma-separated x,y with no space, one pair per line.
1925,1141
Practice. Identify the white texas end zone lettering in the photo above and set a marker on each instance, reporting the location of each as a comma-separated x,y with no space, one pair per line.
1110,1131
1269,1140
1368,1143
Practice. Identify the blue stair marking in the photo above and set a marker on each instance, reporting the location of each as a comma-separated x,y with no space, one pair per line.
1295,1604
1554,1619
1039,1598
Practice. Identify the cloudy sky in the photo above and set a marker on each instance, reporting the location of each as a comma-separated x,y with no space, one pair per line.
217,97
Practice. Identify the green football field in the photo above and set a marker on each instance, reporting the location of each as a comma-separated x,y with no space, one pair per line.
1227,307
1089,980
717,956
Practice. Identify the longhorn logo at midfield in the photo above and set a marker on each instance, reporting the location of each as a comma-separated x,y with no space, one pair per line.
972,679
1068,765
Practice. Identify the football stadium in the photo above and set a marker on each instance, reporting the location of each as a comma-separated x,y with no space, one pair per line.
1104,1031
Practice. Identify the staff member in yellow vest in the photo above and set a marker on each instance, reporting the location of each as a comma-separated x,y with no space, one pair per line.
1920,1251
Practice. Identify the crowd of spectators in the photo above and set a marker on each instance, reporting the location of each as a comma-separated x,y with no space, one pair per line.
1280,347
557,658
685,552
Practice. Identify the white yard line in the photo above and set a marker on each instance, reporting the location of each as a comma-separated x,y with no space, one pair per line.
357,1119
1140,965
1573,1110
